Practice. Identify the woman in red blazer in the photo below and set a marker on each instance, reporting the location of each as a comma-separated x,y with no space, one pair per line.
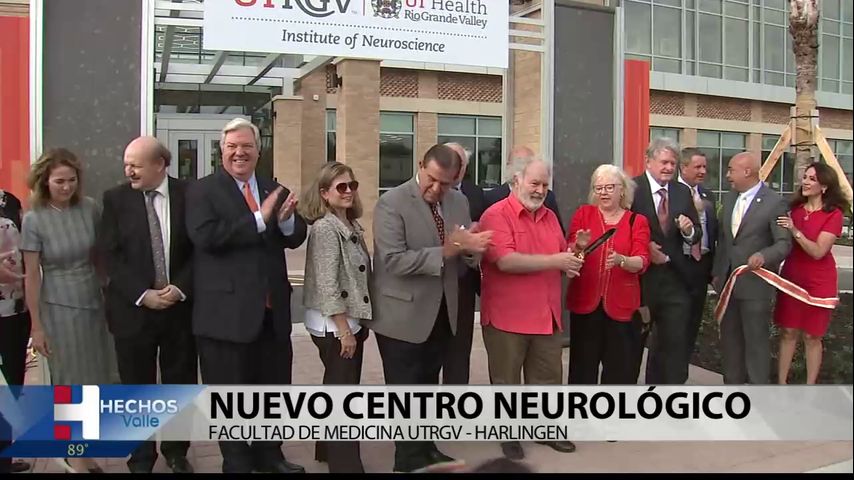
605,295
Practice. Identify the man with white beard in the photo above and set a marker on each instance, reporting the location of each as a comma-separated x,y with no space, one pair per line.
521,287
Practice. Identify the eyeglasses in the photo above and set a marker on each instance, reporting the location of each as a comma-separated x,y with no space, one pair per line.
609,188
344,186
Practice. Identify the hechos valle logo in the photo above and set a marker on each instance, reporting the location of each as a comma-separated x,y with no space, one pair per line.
87,412
386,8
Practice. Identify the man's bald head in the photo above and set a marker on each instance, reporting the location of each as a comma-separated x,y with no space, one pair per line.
518,154
146,161
743,171
464,159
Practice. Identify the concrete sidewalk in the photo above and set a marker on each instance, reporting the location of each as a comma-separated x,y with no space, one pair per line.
590,457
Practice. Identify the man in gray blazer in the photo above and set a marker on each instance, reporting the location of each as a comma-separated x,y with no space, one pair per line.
421,239
748,235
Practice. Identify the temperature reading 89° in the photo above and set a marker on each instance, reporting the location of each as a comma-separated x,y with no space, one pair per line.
77,449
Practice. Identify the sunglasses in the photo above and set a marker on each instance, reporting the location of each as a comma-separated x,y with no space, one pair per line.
343,187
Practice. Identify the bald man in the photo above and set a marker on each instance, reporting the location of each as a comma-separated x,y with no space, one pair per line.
748,235
148,258
520,154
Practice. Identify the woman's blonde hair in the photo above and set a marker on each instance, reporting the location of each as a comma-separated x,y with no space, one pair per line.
313,207
37,181
627,193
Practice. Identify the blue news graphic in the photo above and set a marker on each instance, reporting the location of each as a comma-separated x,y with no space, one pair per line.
87,420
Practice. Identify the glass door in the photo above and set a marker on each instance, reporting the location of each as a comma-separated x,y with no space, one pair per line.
195,154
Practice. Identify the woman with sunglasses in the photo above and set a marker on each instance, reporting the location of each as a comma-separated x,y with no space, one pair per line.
335,295
604,297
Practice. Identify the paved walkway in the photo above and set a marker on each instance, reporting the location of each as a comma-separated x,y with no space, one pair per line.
590,456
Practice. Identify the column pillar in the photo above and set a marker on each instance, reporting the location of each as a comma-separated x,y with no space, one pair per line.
287,152
358,131
312,89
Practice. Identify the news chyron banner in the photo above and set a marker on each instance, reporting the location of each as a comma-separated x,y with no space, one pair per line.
463,32
111,420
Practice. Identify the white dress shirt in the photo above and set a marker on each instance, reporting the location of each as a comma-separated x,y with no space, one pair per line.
286,227
162,209
747,197
704,245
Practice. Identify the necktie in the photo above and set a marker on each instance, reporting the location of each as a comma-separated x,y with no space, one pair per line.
440,223
157,250
253,205
663,211
250,199
737,215
696,249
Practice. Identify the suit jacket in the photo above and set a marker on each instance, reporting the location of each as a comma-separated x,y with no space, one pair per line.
680,203
125,247
410,276
337,270
501,192
238,267
477,205
758,232
711,209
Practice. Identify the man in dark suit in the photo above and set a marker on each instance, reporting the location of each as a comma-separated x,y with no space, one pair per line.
148,259
749,235
692,172
456,366
520,154
240,225
673,220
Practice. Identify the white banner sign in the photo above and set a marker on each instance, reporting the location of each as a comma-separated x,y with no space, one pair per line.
464,32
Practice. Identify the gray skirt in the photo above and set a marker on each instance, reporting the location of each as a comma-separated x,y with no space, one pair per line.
82,351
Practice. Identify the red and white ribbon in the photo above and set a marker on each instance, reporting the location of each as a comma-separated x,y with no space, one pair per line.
775,281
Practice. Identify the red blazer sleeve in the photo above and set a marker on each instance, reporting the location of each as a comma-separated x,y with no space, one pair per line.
640,241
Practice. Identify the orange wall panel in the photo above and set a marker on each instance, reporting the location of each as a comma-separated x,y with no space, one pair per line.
14,105
635,115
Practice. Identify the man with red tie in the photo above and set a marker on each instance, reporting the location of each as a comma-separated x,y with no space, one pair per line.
673,221
240,225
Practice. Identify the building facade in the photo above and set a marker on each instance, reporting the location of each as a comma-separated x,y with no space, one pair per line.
721,79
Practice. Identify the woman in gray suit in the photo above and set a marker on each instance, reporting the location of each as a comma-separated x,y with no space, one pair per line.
335,296
63,291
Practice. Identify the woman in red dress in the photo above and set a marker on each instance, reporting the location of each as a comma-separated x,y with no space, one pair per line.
607,292
815,223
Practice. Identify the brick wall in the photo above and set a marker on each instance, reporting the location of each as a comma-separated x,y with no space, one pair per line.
775,113
723,108
469,87
398,83
830,118
666,103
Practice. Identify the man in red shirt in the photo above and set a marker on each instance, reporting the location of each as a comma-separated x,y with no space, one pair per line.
521,290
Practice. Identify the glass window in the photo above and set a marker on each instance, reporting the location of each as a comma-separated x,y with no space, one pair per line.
481,136
330,136
719,148
639,29
667,32
777,179
710,38
397,148
844,151
736,42
830,9
658,132
775,38
830,57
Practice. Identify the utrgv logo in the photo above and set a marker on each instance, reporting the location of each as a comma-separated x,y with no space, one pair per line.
386,8
87,412
309,7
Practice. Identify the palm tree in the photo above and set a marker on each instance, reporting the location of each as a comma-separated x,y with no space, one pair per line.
803,26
